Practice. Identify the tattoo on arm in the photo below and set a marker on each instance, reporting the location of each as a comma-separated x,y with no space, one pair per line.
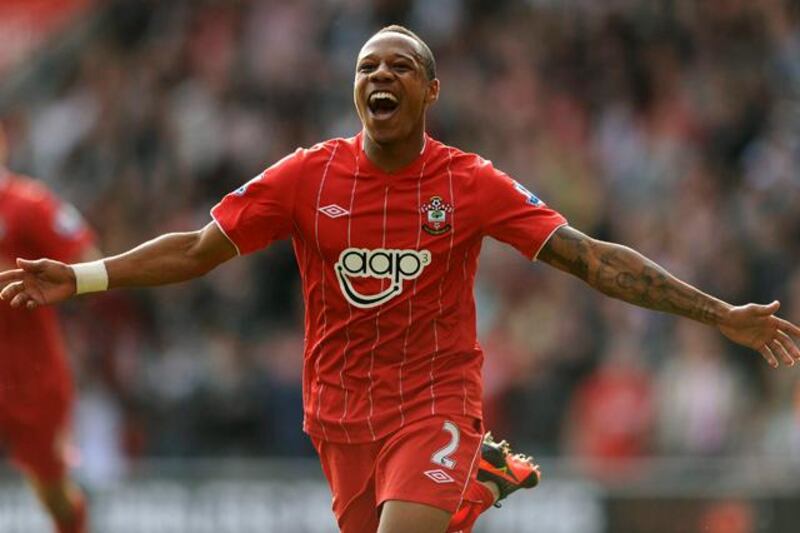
622,273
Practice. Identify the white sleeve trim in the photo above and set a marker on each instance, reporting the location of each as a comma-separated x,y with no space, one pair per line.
536,255
226,235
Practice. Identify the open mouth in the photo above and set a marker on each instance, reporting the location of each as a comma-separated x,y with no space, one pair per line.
382,104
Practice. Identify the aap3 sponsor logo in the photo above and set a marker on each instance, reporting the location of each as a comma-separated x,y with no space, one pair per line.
394,265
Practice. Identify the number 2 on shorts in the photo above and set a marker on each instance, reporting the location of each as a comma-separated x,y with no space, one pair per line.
441,457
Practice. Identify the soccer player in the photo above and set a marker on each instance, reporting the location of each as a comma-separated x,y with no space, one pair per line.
36,393
386,228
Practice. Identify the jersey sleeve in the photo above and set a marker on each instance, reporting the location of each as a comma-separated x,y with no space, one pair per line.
514,215
57,229
260,211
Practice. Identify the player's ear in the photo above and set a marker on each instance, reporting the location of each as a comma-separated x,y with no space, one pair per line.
432,93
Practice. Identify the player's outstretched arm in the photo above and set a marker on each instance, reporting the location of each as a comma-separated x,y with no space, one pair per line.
625,274
170,258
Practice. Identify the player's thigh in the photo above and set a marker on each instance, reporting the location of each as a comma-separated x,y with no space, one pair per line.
407,517
350,469
361,515
429,462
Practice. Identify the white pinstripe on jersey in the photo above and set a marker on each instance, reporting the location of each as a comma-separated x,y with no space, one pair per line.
323,267
377,320
413,294
349,308
444,276
303,262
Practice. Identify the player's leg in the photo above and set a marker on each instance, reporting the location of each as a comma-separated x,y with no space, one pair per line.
404,517
500,473
349,469
64,502
422,473
478,497
360,515
38,447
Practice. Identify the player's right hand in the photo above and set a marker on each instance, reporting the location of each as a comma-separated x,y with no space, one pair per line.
37,283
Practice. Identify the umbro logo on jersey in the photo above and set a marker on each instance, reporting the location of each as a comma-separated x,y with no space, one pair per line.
439,476
334,211
395,265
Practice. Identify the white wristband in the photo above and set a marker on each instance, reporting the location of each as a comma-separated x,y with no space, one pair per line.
90,277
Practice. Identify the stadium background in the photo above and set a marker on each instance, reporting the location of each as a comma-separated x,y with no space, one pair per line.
672,126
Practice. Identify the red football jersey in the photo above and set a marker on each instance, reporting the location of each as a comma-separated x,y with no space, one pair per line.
33,224
387,262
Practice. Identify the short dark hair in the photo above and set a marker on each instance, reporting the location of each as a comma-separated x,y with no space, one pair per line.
426,56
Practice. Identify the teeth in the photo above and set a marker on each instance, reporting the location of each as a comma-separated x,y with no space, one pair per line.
383,94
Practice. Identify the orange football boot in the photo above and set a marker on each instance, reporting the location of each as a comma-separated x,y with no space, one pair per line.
510,472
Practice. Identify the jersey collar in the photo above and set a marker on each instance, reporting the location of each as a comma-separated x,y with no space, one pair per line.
411,168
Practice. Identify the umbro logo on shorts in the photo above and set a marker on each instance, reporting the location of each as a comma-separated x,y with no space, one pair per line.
380,263
439,476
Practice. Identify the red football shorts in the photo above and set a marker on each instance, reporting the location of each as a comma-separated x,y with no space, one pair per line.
37,443
429,461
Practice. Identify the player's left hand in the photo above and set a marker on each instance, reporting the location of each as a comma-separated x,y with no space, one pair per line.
757,327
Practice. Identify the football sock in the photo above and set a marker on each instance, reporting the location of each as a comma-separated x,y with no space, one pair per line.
476,500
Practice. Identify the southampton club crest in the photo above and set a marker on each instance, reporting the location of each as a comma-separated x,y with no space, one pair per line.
436,211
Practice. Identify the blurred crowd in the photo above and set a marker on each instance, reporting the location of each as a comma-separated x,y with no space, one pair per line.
672,126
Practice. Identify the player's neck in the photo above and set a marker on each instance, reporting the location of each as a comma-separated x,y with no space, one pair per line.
390,157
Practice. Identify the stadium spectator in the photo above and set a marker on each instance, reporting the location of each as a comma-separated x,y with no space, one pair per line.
612,413
699,397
